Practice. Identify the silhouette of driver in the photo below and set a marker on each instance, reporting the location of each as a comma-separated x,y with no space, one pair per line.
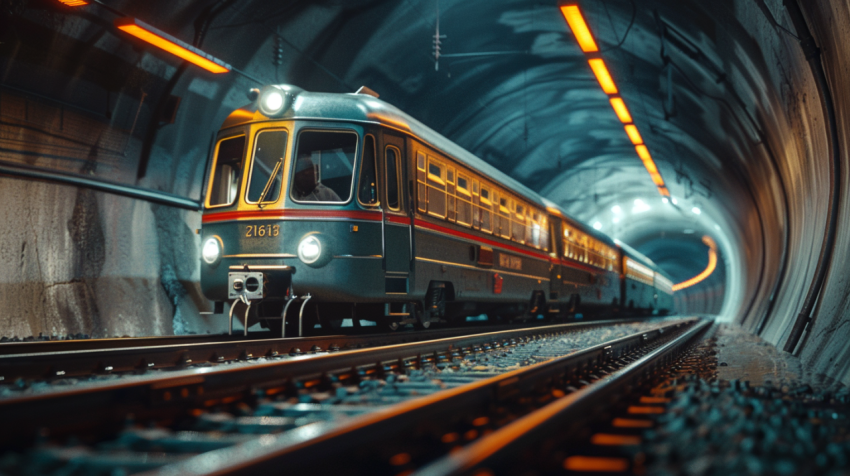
306,186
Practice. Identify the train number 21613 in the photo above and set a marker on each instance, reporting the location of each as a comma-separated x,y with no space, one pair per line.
255,231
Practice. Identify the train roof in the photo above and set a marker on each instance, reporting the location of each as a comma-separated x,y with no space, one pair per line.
369,109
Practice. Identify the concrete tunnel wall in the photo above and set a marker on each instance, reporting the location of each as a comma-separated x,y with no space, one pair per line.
74,260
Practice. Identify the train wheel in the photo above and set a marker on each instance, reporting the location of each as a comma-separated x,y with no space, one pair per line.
422,325
423,318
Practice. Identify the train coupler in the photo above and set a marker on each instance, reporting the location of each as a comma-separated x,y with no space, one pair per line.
247,302
291,297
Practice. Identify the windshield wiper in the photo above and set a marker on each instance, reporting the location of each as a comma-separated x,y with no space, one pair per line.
268,186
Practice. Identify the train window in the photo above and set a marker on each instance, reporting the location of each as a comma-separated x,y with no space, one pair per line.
503,218
367,190
518,223
269,151
324,166
532,229
486,210
393,178
224,183
436,189
420,179
464,201
451,206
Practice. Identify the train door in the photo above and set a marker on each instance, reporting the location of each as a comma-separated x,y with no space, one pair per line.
556,244
396,220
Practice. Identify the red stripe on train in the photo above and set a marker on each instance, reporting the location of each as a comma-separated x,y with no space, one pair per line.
282,214
376,216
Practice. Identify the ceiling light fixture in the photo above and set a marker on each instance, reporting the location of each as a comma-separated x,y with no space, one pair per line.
580,30
621,110
172,45
633,134
575,20
602,75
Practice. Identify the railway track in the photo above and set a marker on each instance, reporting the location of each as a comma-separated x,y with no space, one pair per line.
305,406
58,360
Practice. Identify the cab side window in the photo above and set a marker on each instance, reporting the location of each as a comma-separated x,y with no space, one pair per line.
393,178
367,190
227,171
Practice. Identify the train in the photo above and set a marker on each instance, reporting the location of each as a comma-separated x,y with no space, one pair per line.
351,209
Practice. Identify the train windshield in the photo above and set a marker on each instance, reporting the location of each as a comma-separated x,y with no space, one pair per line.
324,166
228,169
267,167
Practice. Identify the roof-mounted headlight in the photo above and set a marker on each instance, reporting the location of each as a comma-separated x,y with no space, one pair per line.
272,102
275,100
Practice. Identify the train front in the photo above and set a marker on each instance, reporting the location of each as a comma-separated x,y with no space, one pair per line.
282,215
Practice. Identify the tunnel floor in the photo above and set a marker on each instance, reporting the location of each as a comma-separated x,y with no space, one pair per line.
759,411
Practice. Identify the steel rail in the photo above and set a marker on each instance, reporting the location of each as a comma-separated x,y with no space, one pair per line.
300,449
570,411
173,393
50,359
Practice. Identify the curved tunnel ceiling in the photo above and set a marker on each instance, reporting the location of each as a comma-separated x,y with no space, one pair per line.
718,90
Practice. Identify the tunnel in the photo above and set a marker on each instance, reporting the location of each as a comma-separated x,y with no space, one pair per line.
106,142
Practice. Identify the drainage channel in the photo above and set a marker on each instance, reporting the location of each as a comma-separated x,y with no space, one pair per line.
140,425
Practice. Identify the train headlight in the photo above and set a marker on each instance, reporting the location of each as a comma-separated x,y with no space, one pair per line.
211,251
309,249
275,100
271,102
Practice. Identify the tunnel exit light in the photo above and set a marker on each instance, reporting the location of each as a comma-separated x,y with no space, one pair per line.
172,45
712,264
581,31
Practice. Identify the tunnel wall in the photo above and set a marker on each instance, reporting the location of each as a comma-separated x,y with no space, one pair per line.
825,345
76,261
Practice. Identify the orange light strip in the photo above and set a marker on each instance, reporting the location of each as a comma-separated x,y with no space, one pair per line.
621,110
633,134
712,264
602,75
172,45
643,152
596,464
575,20
74,3
577,24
